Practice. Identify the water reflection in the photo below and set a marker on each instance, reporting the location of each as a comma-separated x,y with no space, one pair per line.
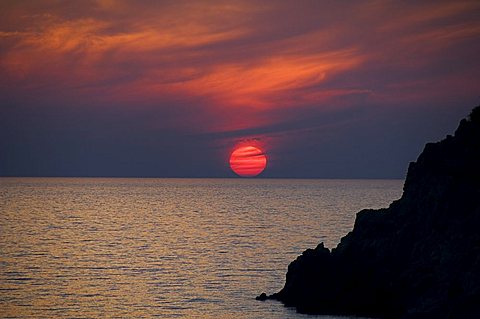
142,248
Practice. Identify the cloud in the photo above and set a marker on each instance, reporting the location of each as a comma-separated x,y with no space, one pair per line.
232,71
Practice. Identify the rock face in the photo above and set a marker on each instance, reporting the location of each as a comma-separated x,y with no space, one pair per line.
419,258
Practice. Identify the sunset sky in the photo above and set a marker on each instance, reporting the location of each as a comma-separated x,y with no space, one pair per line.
168,88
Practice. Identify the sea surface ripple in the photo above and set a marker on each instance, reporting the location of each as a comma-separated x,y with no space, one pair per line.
165,248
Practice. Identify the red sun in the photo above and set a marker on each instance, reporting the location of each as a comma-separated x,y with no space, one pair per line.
248,161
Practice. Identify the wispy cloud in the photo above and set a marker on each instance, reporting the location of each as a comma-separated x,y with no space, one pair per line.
237,65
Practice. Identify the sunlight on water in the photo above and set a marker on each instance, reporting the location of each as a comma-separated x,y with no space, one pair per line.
186,248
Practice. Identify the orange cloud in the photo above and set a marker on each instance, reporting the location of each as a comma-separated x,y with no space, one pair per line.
227,59
258,83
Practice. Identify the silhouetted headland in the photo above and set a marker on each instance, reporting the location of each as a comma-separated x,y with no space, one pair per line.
419,258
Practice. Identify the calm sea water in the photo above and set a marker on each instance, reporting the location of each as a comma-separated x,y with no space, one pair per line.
186,248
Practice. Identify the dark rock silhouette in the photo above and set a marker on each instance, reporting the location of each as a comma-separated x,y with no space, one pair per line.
419,258
263,296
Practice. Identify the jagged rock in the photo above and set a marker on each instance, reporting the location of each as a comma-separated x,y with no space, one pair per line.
263,296
419,258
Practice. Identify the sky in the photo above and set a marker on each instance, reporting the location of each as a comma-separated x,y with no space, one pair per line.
327,89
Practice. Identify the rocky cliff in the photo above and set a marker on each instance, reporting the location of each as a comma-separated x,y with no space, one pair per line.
419,258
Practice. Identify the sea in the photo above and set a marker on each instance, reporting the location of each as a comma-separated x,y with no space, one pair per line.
166,248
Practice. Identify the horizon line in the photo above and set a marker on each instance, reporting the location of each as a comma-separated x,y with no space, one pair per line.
208,177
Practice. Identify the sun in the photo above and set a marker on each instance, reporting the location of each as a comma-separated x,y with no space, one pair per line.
248,161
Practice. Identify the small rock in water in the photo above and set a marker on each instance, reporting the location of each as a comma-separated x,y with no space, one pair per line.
262,297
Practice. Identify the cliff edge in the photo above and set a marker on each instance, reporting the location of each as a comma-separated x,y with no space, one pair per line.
418,258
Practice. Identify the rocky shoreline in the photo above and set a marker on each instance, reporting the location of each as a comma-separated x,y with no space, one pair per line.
418,258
